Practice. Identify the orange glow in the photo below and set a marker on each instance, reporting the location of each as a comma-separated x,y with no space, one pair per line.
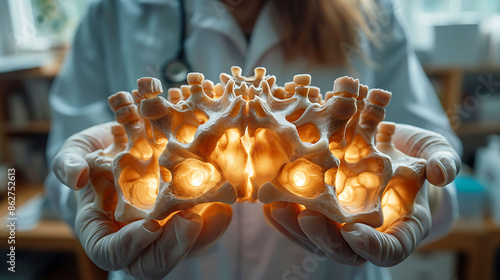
230,156
192,178
197,178
186,133
392,208
267,155
299,178
399,196
142,150
309,133
302,178
248,139
346,196
301,207
357,150
140,191
358,192
247,144
330,176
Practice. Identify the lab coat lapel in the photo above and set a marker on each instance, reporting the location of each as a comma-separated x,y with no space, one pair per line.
210,15
266,34
215,16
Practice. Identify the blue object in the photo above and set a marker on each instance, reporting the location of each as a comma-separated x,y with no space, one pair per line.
471,195
469,184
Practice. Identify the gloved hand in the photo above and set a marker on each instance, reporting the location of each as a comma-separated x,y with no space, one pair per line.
355,243
143,248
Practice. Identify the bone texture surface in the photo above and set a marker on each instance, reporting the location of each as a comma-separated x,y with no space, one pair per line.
247,139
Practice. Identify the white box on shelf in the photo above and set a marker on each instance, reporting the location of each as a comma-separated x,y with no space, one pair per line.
487,167
458,44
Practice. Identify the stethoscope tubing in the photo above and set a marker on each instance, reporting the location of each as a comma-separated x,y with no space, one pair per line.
174,71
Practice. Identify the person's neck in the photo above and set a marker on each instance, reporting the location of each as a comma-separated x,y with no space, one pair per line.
245,12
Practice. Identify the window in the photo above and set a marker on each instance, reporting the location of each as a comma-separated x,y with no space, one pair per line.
421,15
33,25
458,7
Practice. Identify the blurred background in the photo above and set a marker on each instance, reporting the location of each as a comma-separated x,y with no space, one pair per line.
457,41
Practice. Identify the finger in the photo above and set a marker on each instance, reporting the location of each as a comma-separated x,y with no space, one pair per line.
442,168
69,165
178,236
108,246
216,218
274,224
283,216
85,196
72,170
325,234
392,246
443,163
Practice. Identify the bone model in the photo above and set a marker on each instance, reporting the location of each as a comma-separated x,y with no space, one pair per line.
248,139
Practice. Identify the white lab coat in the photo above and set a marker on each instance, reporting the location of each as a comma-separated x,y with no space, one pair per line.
119,41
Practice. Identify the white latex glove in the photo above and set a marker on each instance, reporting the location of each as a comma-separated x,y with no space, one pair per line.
443,162
144,248
354,243
311,230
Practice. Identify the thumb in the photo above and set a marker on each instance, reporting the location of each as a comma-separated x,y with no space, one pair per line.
71,169
390,247
109,247
443,162
178,236
325,234
442,168
69,165
216,218
376,247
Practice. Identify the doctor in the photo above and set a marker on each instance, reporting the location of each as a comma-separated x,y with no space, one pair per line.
120,41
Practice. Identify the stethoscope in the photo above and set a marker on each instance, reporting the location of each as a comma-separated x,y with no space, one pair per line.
175,70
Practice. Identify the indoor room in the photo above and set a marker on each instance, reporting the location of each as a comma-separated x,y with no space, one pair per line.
235,139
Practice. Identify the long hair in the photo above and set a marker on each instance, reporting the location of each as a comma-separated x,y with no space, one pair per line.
324,31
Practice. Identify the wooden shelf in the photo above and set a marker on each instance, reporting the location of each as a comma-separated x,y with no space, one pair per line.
47,235
471,128
50,234
49,70
24,193
452,79
31,127
478,243
439,70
